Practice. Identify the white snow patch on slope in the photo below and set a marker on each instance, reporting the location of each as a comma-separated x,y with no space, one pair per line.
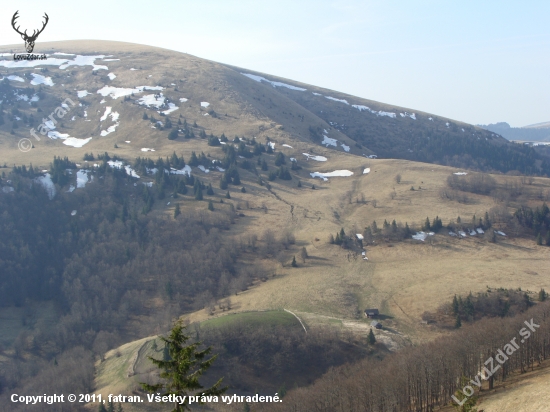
171,108
82,178
286,145
336,173
345,147
183,99
412,116
460,173
327,141
147,149
337,100
14,78
260,79
107,112
204,169
317,158
46,182
82,93
205,104
366,171
75,142
112,76
155,100
185,171
118,165
116,92
378,113
272,145
62,63
422,235
39,79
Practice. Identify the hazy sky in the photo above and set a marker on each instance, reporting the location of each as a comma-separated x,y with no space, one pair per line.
477,61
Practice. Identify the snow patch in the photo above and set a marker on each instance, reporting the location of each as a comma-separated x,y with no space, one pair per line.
39,79
317,158
183,99
337,100
366,171
204,169
327,141
146,149
82,178
107,112
185,171
116,92
259,79
112,76
460,173
345,147
286,145
47,183
422,235
205,104
336,173
171,108
155,100
118,165
75,142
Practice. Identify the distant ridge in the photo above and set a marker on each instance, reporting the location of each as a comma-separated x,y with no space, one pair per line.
543,125
539,132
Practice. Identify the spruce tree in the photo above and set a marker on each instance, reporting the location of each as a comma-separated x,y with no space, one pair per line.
210,191
542,295
427,225
486,221
210,206
181,372
294,264
455,305
458,322
177,211
198,193
371,338
539,239
223,183
547,241
227,195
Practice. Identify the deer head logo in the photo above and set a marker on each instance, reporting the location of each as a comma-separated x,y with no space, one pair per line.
29,40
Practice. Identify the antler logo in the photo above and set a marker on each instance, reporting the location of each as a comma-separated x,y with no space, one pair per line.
29,40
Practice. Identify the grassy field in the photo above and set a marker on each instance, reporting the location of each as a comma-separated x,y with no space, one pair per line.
403,280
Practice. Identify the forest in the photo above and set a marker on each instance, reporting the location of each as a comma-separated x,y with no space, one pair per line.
425,377
103,262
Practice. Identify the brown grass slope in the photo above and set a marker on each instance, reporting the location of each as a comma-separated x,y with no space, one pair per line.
241,105
403,280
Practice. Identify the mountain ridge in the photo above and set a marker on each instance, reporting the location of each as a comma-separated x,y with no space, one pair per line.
223,99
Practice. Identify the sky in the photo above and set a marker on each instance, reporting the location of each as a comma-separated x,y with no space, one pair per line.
474,61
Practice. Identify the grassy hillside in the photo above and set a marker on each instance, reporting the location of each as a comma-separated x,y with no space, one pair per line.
330,288
218,99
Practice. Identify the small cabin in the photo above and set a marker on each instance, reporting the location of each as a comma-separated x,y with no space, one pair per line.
376,324
371,313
